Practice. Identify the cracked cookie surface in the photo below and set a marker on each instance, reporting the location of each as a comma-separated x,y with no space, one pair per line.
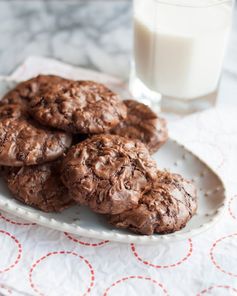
79,107
166,207
39,186
142,124
23,92
24,142
108,173
11,111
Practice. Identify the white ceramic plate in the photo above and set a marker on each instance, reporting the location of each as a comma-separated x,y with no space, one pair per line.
81,221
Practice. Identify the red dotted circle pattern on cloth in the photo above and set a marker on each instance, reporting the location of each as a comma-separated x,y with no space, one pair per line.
69,236
7,219
210,289
92,273
5,289
217,265
190,250
136,277
19,250
230,207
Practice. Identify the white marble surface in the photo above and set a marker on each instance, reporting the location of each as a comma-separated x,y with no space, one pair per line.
94,34
91,33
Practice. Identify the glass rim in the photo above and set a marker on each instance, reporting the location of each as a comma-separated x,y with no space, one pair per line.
186,3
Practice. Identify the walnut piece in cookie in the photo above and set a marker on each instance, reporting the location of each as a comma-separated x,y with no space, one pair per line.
83,107
24,142
39,186
108,173
166,207
142,124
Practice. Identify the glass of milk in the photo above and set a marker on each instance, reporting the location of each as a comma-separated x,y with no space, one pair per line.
179,47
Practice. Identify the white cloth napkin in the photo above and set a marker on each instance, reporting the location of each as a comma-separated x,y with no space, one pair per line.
39,261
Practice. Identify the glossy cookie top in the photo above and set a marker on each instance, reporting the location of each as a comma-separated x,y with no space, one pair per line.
165,207
108,172
24,142
144,125
84,107
39,186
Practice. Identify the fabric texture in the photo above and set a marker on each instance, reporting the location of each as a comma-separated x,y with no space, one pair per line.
39,261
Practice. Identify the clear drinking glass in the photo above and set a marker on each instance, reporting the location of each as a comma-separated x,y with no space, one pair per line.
179,47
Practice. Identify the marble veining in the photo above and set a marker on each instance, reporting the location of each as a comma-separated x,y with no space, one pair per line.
95,34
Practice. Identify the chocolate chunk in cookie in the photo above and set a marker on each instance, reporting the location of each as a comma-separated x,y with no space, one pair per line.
142,124
23,142
39,186
79,107
166,207
25,91
108,173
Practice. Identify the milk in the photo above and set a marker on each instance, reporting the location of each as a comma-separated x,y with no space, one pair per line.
179,50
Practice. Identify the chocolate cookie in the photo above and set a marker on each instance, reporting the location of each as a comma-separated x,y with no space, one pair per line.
23,142
25,91
39,186
108,173
142,124
10,111
79,107
166,207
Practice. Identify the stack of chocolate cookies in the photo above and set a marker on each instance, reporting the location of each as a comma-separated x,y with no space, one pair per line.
65,142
